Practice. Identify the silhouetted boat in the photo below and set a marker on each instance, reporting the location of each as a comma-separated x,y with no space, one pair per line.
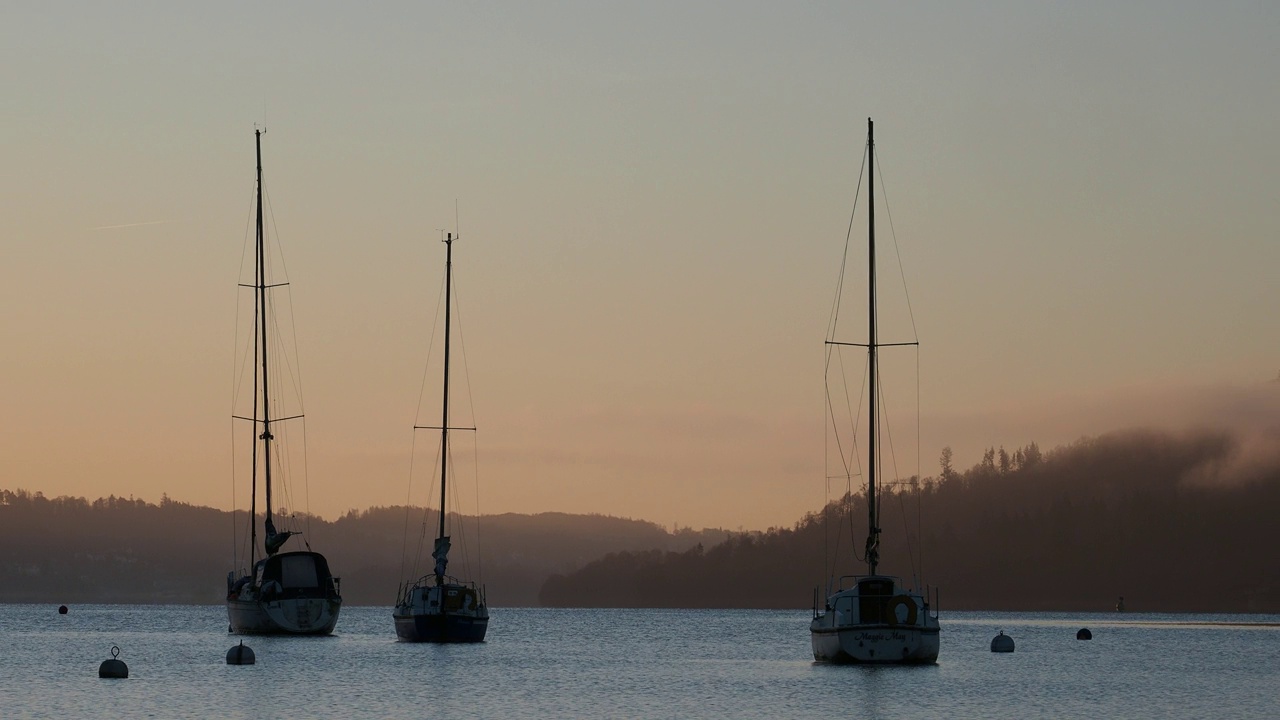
440,608
874,619
291,593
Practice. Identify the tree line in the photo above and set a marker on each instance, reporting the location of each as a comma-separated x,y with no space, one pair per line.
1170,522
123,550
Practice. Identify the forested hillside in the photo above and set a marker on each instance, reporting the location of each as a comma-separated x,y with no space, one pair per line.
70,550
1172,523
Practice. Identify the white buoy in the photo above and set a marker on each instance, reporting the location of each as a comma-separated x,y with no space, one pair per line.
240,655
1002,643
115,667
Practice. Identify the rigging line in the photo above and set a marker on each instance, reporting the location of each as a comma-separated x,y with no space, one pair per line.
853,456
271,213
828,429
302,409
919,523
462,342
835,430
297,356
884,190
291,365
426,367
893,458
466,373
857,420
408,505
458,524
475,464
426,510
235,540
306,481
244,248
237,379
844,259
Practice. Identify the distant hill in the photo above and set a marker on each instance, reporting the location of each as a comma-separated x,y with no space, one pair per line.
1172,523
118,550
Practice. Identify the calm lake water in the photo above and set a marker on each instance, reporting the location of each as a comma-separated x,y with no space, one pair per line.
632,664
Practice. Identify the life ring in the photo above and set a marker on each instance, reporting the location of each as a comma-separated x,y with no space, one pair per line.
892,609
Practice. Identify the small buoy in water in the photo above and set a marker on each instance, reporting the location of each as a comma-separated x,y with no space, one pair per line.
115,667
1084,634
62,609
240,655
1002,643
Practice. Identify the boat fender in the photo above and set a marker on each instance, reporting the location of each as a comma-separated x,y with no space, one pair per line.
897,600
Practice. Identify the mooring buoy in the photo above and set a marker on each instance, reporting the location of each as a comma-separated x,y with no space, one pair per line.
1002,643
115,667
1084,634
62,609
240,655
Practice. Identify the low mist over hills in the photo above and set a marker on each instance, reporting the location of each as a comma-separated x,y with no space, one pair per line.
1171,522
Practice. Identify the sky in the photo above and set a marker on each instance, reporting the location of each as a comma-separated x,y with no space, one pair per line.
653,201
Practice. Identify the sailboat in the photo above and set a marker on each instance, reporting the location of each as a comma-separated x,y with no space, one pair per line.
440,608
873,618
285,593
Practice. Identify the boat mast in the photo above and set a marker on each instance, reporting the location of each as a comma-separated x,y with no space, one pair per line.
444,420
253,494
266,436
873,530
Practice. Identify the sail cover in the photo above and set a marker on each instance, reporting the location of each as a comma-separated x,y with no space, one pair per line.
275,539
441,554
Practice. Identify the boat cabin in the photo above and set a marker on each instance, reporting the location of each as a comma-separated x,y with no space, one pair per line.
875,600
295,575
456,598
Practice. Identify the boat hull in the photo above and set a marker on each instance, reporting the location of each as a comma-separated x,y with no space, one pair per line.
441,628
875,644
293,616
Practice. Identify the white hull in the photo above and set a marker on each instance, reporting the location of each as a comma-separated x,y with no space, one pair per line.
873,623
875,644
297,616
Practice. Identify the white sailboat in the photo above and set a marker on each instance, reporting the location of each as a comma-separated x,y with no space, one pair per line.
873,618
439,608
289,593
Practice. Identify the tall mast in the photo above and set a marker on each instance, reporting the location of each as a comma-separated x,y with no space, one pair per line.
262,339
444,420
873,530
253,495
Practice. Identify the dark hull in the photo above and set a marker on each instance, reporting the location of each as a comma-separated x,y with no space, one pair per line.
437,628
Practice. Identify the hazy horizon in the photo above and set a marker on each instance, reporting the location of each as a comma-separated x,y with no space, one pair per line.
653,202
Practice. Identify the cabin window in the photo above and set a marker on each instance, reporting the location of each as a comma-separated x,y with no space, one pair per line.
875,587
298,571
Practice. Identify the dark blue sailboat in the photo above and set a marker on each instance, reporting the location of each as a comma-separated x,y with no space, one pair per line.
440,608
